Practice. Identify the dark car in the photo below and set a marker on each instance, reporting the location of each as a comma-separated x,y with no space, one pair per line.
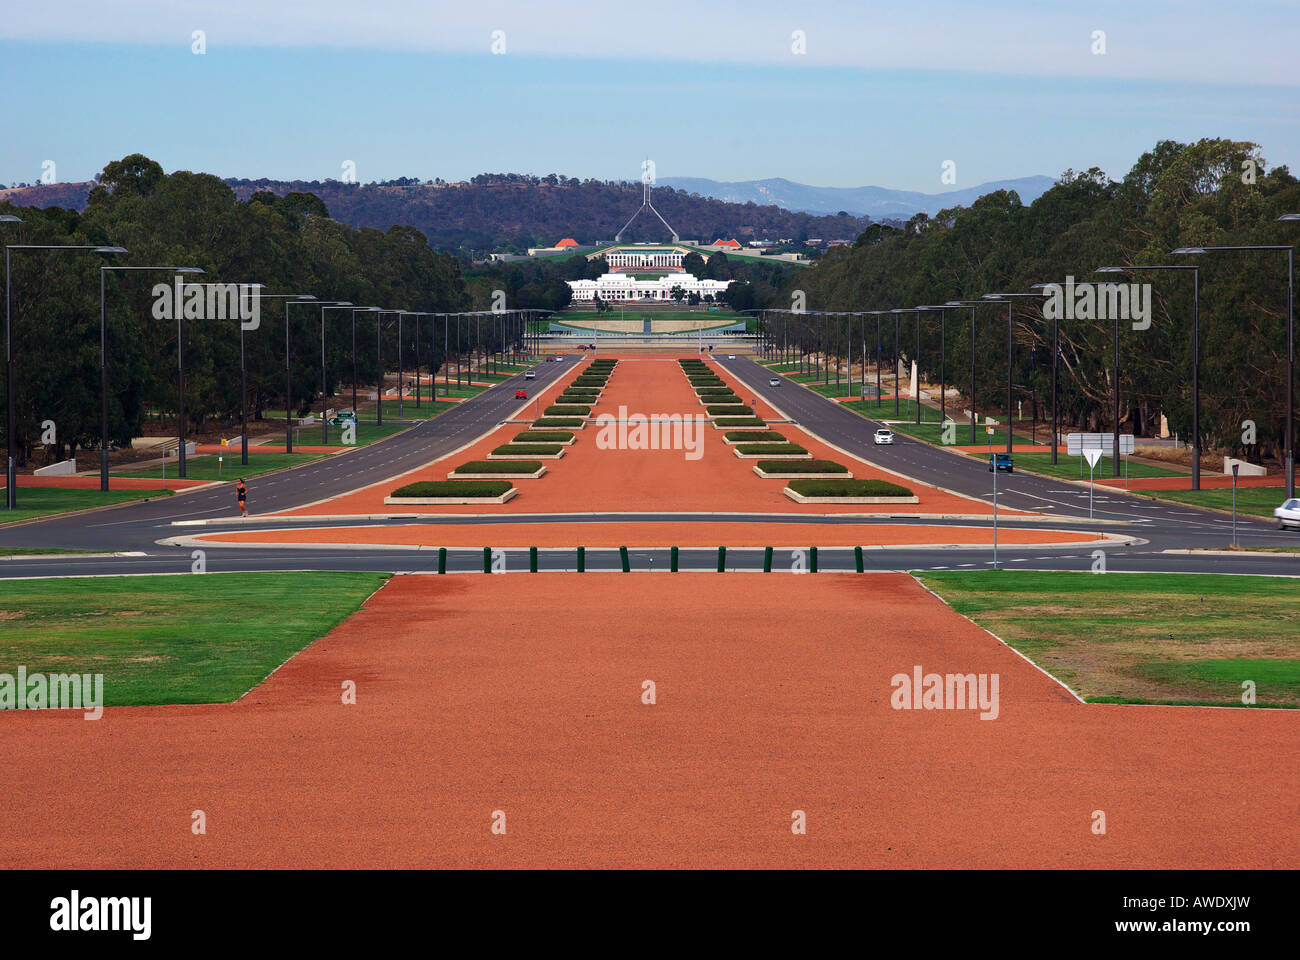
1003,462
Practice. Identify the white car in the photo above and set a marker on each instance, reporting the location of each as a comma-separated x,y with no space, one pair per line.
774,382
530,374
1288,515
884,436
732,356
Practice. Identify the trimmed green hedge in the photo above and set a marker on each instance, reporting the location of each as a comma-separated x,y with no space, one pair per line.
722,400
453,488
575,400
543,436
772,448
499,466
730,409
848,488
567,410
536,449
558,422
589,382
740,422
801,466
756,436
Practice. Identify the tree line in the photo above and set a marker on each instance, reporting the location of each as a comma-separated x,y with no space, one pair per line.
1212,192
287,243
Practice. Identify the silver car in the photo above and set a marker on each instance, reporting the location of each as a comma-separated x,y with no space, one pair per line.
774,382
884,436
1288,515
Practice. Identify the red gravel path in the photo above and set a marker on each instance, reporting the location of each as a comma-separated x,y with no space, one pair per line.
523,693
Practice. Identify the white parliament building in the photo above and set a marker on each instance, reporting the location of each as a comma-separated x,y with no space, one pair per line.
621,286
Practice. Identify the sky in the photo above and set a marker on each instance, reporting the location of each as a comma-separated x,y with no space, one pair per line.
829,93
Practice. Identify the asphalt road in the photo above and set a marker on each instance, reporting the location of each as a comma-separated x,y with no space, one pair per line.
134,530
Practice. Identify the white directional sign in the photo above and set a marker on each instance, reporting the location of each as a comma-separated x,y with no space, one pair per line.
1093,456
1077,443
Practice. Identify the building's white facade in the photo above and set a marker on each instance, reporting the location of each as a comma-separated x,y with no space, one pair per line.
623,257
617,286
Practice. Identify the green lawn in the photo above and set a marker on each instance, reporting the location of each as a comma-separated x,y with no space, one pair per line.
174,639
206,467
1257,501
907,413
1143,638
35,551
46,501
1067,467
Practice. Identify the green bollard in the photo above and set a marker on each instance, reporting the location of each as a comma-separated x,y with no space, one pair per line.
442,559
532,559
767,559
812,559
582,559
622,555
672,560
857,558
722,559
487,559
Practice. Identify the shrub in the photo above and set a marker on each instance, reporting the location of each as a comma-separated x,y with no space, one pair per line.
756,436
558,422
738,422
801,466
772,448
574,399
543,436
710,391
499,466
721,400
454,488
588,382
567,410
730,409
848,488
536,449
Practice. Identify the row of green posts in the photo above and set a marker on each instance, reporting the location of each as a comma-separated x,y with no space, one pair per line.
627,567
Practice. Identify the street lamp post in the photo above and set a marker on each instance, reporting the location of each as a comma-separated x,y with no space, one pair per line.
11,466
972,304
309,300
1196,356
943,333
324,380
1289,458
103,360
1009,297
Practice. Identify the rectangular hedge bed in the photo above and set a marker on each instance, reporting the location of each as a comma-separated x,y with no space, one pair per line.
714,392
740,423
453,491
568,423
525,451
567,410
753,451
802,469
729,410
754,436
808,490
544,436
492,469
589,382
720,401
579,400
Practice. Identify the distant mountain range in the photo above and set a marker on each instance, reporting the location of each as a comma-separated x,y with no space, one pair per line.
879,203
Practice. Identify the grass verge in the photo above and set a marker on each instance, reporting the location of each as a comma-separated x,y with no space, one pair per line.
1143,638
173,639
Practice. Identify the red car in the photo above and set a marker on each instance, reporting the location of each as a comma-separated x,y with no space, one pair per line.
521,394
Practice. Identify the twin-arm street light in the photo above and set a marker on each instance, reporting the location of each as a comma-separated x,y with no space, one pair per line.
11,470
1289,458
103,359
304,300
324,385
1009,297
1196,360
943,356
356,413
972,304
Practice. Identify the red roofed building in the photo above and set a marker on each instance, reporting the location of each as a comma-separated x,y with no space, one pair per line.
727,243
567,242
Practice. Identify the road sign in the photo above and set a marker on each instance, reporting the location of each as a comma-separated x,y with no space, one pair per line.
1077,443
1093,456
989,431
